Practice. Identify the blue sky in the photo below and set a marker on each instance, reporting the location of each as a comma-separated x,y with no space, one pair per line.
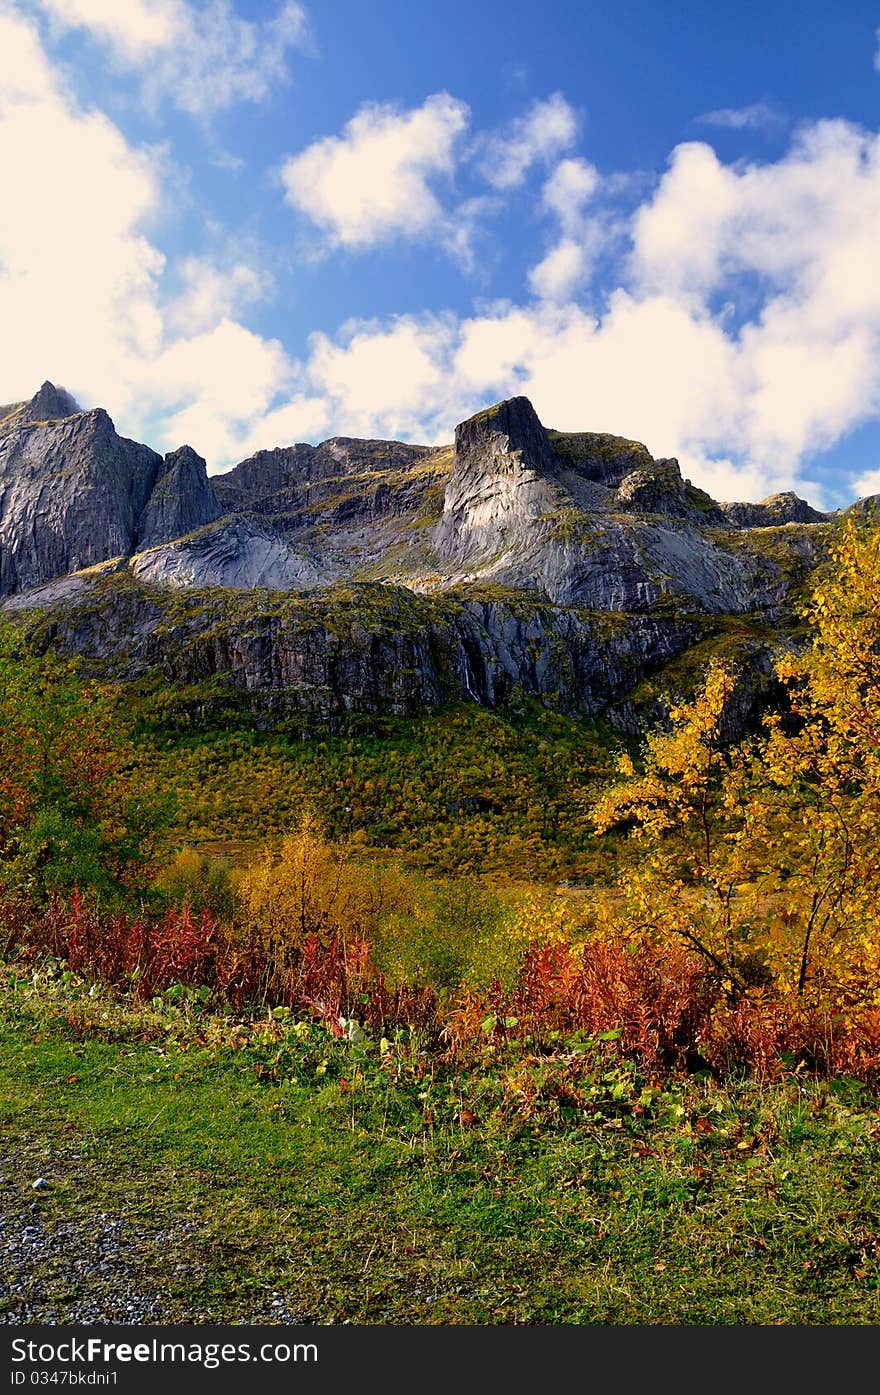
240,223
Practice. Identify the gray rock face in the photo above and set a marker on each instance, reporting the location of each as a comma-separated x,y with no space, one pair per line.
182,499
71,494
864,508
599,457
771,512
659,488
238,553
580,518
503,484
370,648
49,404
521,560
516,514
757,690
290,483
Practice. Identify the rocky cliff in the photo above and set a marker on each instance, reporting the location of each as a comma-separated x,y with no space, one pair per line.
317,659
74,493
50,403
588,520
182,499
382,575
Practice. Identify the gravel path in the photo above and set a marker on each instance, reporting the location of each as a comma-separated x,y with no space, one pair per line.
99,1265
100,1268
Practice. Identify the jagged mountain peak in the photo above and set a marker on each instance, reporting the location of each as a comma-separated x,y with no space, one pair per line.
599,455
73,492
182,499
774,511
184,455
571,525
582,518
358,445
50,403
866,507
507,435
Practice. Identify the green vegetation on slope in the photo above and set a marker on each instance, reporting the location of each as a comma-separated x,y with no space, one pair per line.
575,448
461,790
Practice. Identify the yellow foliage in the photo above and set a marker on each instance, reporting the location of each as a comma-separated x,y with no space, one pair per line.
765,857
193,879
311,888
440,935
678,790
544,918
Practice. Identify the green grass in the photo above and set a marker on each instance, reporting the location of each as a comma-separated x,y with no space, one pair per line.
409,1192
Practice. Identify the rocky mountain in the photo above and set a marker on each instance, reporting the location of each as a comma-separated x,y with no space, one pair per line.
73,492
182,498
360,575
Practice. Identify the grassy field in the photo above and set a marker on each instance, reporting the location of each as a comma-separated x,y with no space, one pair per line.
368,1183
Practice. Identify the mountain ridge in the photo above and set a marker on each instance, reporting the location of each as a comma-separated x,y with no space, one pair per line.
568,529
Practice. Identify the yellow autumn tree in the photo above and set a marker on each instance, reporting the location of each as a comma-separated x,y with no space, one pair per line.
764,856
826,763
314,889
687,810
311,887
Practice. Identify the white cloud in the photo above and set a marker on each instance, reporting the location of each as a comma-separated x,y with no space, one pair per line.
867,484
25,73
461,233
199,54
81,285
208,388
571,185
390,174
677,236
569,263
216,391
212,291
807,223
225,160
424,373
805,229
546,129
301,418
758,116
561,272
374,183
744,399
72,256
134,30
384,381
648,370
